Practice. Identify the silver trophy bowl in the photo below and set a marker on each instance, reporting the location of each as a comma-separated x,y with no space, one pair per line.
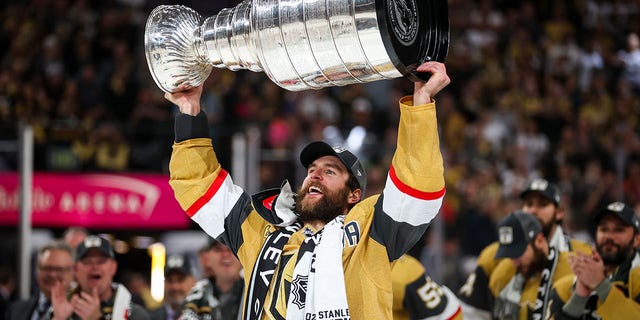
298,44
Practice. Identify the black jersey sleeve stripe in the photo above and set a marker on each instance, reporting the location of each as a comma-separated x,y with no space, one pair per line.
398,237
232,236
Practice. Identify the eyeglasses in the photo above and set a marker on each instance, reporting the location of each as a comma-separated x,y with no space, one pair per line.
54,269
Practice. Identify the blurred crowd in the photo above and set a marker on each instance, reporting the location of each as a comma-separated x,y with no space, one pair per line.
78,276
541,89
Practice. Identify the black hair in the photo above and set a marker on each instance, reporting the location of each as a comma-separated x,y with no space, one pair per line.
353,184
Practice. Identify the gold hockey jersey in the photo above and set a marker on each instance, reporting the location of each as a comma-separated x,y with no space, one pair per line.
377,231
417,296
622,302
500,286
475,293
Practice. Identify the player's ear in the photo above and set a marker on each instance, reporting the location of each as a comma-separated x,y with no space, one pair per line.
354,196
560,211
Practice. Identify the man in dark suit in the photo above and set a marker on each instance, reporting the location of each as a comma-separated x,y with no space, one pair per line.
54,266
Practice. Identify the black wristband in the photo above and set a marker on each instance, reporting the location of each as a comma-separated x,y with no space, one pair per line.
190,127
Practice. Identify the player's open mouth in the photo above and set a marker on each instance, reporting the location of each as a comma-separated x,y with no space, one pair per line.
314,191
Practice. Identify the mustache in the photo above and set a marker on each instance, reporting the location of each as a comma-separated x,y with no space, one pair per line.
609,242
305,189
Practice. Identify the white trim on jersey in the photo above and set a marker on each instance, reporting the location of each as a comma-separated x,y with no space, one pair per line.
212,215
401,207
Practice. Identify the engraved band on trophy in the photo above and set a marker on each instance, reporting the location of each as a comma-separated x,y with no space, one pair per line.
298,44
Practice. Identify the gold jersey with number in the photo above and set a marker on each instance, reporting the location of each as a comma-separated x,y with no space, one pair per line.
417,296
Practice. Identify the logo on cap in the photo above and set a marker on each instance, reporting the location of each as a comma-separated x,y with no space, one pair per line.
616,206
175,262
92,242
506,235
625,212
539,184
339,149
545,188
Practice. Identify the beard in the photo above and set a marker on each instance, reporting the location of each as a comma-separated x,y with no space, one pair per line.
175,297
537,264
546,227
331,205
615,256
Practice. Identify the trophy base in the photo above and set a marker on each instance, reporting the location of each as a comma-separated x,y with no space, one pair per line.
414,32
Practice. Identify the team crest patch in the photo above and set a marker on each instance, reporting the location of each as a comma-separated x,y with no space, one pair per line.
505,235
299,290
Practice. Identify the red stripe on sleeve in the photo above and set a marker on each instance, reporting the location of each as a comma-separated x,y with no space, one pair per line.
411,191
213,189
459,311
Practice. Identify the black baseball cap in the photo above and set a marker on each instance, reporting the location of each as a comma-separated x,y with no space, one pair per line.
622,211
92,242
177,263
544,188
515,232
317,149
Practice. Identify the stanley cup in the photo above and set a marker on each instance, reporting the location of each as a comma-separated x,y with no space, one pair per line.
298,44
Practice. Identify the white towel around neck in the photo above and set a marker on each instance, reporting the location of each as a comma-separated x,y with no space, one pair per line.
325,290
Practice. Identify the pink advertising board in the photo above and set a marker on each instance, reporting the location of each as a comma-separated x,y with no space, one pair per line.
106,201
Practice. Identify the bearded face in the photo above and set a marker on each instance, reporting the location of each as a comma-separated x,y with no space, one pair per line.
325,208
543,209
615,240
547,226
613,253
535,265
177,286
